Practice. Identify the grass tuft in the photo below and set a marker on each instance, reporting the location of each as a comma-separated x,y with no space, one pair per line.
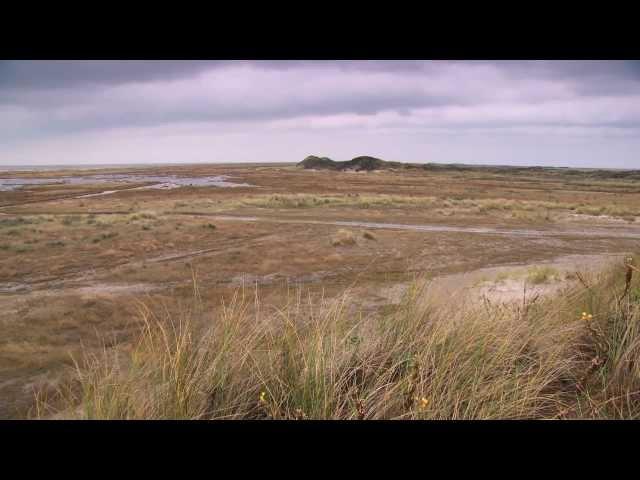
368,236
343,238
542,274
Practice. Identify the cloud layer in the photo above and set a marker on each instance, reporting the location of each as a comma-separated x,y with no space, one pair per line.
534,112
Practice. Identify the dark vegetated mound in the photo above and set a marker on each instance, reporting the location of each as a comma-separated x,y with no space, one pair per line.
358,163
367,163
318,162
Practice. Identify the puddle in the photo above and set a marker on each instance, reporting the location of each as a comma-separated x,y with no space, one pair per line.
106,192
157,181
9,184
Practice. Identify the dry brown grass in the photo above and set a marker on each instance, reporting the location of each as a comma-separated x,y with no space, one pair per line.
428,359
343,238
530,210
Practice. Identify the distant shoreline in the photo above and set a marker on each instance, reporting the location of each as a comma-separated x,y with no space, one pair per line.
17,168
96,166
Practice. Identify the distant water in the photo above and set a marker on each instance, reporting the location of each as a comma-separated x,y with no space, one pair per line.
154,181
94,166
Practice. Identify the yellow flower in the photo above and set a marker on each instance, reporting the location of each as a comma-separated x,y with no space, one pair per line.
263,398
586,316
424,402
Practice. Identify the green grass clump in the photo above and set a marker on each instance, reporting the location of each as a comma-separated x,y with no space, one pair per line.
503,276
542,274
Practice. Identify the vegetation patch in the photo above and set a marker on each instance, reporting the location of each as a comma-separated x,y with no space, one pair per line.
71,220
56,243
368,236
343,238
542,274
22,248
15,222
104,236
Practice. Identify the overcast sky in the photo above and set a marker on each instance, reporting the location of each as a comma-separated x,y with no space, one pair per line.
560,113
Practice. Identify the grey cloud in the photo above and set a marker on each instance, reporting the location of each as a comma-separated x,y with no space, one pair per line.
26,74
43,100
51,73
319,92
592,77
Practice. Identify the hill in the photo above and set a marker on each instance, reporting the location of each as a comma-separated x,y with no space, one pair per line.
358,163
318,162
366,163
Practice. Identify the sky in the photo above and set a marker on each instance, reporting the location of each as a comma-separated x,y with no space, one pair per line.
550,113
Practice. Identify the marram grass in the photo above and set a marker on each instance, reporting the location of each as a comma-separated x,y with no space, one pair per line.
574,355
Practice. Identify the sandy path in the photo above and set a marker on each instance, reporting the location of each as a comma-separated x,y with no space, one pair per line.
590,232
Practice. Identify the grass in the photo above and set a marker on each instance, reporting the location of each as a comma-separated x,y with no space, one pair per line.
534,275
453,205
56,243
104,236
343,238
17,248
71,220
15,222
542,274
320,359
